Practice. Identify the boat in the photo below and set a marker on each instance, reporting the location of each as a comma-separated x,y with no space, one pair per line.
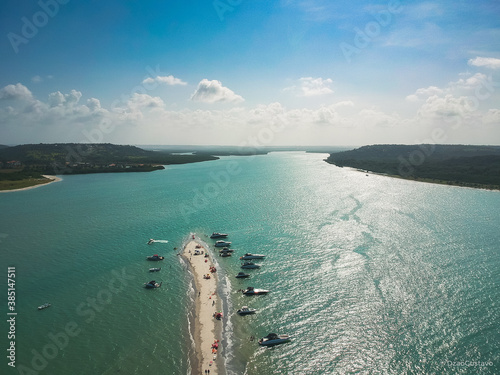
249,265
274,339
222,243
155,257
218,235
151,241
242,275
245,310
225,255
227,250
154,269
152,284
249,256
251,291
44,306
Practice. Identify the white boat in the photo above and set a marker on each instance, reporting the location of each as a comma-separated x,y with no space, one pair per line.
44,306
245,310
152,284
225,255
249,265
226,250
251,291
151,241
222,243
249,256
218,235
154,269
274,339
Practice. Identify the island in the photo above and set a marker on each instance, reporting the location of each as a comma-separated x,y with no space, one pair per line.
28,165
460,165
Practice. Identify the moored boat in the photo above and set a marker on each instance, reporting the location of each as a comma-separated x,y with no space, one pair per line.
218,235
155,257
245,310
154,269
225,255
274,339
242,275
222,243
44,306
152,284
249,256
249,265
251,291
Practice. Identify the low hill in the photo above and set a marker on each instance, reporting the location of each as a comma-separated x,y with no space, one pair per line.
474,166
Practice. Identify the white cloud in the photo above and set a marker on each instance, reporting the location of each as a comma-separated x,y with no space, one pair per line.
424,92
59,99
213,91
167,80
16,92
309,86
487,62
36,79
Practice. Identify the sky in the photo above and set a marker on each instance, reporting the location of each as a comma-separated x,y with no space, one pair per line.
250,72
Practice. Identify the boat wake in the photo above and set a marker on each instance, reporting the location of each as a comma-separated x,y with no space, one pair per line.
161,241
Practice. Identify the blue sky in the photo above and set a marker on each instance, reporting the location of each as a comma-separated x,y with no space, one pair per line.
310,72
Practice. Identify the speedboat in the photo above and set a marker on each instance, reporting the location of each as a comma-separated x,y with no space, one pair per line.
218,235
225,254
154,269
222,243
155,257
44,306
249,265
226,250
242,275
152,284
245,310
251,291
274,339
249,256
151,241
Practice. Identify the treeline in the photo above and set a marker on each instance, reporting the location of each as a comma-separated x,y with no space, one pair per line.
474,166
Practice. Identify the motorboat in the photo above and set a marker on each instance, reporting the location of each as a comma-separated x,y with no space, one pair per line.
154,269
274,339
155,257
249,256
44,306
242,275
218,235
226,250
152,284
249,265
251,291
224,255
222,243
151,241
245,310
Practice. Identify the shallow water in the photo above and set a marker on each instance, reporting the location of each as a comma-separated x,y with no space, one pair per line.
368,274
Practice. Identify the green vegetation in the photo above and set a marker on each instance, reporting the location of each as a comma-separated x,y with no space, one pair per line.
24,165
472,166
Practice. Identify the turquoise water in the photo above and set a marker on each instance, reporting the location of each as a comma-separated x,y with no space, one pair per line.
368,274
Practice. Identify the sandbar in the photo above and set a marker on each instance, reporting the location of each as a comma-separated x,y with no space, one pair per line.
207,329
52,178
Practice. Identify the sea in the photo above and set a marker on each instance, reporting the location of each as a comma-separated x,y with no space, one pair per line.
368,274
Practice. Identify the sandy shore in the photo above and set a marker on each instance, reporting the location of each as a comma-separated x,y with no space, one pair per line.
207,328
52,178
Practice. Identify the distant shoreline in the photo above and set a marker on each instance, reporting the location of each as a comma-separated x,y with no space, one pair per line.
49,177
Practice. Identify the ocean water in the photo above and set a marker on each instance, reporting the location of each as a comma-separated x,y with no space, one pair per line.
369,274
